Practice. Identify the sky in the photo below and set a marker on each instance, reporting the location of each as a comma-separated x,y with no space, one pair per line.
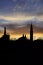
17,16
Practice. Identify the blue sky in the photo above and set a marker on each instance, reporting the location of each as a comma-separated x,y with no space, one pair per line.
13,11
22,6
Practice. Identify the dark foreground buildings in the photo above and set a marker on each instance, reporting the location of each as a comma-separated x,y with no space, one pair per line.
5,36
21,51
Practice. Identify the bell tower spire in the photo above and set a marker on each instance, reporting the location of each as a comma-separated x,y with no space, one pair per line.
31,32
4,30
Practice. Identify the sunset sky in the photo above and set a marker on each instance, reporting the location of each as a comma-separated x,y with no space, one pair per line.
17,16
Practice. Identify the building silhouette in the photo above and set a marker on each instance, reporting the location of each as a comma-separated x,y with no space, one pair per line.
5,35
24,36
4,30
31,32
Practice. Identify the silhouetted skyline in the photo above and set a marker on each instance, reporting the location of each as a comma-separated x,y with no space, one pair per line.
7,37
30,33
21,32
22,49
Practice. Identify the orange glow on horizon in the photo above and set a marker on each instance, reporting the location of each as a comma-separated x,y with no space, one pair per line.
16,36
35,36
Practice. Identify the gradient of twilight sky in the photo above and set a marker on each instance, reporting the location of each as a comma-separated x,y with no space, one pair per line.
17,15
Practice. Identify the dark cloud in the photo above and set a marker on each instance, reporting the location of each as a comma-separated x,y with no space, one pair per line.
15,25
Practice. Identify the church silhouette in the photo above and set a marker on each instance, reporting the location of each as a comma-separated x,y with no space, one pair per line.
31,32
23,50
7,37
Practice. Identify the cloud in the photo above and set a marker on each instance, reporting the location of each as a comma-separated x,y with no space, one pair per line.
9,7
14,26
19,13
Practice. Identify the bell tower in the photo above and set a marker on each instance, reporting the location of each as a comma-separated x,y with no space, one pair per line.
31,32
4,30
